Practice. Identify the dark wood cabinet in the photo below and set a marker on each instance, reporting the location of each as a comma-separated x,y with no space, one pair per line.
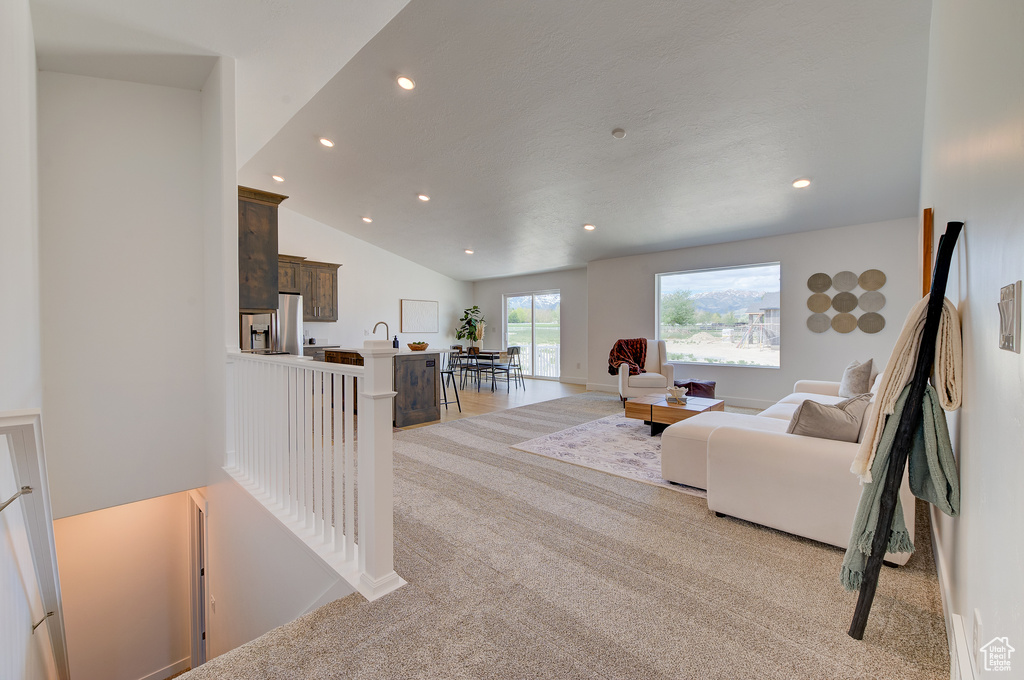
318,284
418,384
257,249
288,267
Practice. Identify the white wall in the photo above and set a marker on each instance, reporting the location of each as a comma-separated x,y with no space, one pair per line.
260,574
371,283
573,286
22,654
21,386
973,171
621,304
124,576
121,243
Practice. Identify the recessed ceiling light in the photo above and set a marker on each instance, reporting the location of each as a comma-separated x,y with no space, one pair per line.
406,83
326,142
277,178
468,251
367,219
424,197
589,227
618,133
801,183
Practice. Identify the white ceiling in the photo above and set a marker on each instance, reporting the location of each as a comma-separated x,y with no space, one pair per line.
509,128
285,49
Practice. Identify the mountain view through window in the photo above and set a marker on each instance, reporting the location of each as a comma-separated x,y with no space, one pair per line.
722,316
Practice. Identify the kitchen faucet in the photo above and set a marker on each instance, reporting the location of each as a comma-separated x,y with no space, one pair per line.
386,331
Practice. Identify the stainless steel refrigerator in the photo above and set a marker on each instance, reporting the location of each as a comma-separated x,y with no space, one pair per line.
289,323
278,332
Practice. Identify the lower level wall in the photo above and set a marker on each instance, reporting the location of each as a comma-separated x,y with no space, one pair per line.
260,574
124,575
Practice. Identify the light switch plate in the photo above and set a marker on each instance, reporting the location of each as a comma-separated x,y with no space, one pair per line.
1009,317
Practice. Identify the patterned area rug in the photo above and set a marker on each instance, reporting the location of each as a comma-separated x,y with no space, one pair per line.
617,445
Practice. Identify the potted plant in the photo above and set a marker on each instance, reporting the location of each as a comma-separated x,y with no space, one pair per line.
472,327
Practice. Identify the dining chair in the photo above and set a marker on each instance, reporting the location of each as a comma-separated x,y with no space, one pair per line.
515,366
469,364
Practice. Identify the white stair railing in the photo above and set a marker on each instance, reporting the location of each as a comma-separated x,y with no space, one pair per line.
308,439
22,433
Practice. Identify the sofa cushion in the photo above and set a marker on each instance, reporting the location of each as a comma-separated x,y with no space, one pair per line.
648,380
700,426
798,398
856,379
841,421
780,411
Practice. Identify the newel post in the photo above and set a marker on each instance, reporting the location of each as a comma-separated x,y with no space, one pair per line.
375,473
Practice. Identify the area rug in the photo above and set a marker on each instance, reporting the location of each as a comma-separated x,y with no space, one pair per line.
616,444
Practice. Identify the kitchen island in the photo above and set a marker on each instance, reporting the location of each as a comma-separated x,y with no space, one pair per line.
416,379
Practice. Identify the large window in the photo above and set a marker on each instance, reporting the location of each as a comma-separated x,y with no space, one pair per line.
721,316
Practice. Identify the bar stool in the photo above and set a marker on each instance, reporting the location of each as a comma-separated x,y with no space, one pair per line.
451,363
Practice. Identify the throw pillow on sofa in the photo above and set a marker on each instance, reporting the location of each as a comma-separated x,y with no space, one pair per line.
840,421
856,379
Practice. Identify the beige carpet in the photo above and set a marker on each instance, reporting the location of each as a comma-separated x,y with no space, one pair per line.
521,566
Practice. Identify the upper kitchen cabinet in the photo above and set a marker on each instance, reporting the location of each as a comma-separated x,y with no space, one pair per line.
288,268
318,283
257,249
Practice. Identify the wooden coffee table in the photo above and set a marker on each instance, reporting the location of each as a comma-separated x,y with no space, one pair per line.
660,413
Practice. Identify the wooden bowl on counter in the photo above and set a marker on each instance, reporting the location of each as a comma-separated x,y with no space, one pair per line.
417,346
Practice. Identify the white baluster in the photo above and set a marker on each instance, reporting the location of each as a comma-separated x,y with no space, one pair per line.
350,467
337,460
307,454
318,451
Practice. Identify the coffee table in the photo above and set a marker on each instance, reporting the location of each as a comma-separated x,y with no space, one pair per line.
654,409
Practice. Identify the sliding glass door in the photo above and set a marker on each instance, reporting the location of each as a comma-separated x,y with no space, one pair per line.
533,323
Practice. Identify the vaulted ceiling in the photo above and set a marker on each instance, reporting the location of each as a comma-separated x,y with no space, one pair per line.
509,127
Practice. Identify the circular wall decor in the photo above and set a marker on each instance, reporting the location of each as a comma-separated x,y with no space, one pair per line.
871,322
819,283
872,279
818,323
872,301
819,302
844,281
844,302
844,323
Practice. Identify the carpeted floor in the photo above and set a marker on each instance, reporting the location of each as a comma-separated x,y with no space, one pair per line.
521,566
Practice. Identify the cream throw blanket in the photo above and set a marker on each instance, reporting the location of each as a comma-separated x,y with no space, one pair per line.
900,370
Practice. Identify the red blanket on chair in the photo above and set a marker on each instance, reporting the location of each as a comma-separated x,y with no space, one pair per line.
632,352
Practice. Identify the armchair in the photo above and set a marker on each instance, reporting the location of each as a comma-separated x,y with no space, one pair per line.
658,378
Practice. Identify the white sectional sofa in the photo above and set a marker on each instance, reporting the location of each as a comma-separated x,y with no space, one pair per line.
753,470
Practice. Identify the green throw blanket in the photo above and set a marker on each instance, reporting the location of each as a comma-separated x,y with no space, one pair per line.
933,477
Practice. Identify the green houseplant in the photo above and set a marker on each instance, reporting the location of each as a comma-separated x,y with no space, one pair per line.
472,325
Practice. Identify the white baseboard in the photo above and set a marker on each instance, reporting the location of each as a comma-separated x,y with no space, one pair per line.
957,670
168,671
573,381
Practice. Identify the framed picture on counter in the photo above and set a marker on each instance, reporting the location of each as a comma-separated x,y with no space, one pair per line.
419,316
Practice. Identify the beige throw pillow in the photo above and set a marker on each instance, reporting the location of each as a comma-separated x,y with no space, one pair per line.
856,379
840,421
